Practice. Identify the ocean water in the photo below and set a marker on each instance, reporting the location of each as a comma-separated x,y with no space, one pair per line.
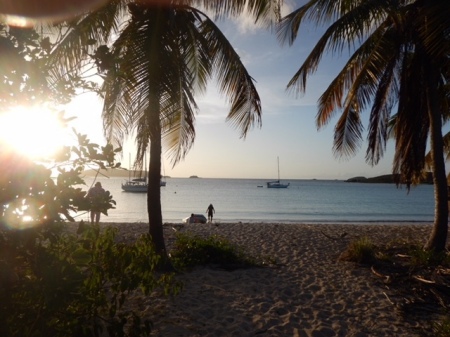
306,201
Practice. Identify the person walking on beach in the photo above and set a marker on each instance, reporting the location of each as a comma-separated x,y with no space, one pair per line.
95,196
210,210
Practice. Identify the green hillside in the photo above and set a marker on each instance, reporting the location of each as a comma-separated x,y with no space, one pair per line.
386,179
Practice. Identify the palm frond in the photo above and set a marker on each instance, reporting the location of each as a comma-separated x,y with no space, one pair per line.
288,28
116,113
82,37
160,63
265,11
348,133
383,103
412,124
350,29
194,47
191,69
358,78
234,80
436,33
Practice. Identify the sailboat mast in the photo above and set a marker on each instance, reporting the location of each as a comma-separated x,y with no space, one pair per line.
145,167
129,164
278,160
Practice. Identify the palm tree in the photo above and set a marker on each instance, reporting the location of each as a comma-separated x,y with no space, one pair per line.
400,61
163,54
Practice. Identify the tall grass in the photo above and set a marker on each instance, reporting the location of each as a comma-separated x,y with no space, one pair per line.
361,250
428,258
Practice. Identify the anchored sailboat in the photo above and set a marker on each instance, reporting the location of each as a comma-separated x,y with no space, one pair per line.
138,185
277,183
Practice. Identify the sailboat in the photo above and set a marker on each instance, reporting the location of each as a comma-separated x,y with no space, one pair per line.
138,185
277,183
162,182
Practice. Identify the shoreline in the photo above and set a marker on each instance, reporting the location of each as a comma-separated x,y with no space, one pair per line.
306,292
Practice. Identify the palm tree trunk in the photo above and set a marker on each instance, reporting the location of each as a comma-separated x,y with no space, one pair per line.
154,194
438,237
154,127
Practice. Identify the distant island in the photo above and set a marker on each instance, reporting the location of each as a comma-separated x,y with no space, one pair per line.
386,179
124,173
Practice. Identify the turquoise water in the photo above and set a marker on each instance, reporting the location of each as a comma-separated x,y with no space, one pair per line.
311,201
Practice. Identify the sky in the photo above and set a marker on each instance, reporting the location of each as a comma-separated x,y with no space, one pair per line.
288,121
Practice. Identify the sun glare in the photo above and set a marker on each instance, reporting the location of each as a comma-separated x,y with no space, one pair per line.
34,132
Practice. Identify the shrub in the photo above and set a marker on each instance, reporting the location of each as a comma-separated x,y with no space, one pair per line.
74,285
361,250
190,251
426,258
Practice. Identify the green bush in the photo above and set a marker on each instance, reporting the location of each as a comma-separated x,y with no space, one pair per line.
74,285
361,250
190,251
426,258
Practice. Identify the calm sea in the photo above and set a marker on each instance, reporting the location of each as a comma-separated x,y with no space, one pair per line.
311,201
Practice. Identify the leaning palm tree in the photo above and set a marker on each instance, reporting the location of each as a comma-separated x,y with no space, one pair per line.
162,55
400,61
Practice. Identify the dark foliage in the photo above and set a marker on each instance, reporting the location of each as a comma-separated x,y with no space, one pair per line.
190,251
74,284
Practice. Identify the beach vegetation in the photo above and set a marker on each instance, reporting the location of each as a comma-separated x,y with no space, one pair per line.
420,257
442,328
398,67
361,250
417,281
55,283
190,251
46,189
416,256
152,66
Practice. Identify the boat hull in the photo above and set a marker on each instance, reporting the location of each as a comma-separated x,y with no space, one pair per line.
276,184
137,187
133,187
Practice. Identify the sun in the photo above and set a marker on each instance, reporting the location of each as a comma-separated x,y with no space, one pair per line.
34,132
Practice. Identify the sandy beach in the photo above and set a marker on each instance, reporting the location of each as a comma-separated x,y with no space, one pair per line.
305,292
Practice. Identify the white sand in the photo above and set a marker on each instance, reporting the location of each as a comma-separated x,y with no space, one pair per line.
305,293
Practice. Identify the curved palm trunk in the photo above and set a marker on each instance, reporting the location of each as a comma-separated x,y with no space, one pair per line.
438,237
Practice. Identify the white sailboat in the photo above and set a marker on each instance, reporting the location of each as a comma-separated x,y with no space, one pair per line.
139,185
277,183
136,185
162,182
